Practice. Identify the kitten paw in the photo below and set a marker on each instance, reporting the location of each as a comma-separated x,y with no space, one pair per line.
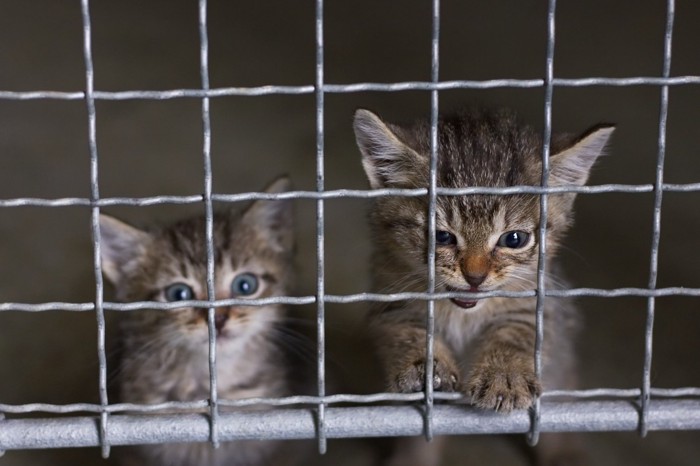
412,377
503,388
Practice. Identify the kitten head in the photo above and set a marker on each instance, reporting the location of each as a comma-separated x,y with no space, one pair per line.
483,242
253,259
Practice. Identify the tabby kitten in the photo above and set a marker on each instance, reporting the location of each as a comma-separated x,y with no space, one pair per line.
483,347
164,354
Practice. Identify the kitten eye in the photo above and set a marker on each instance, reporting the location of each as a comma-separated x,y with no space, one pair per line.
445,238
244,284
513,239
179,292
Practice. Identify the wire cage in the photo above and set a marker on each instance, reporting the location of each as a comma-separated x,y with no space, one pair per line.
106,424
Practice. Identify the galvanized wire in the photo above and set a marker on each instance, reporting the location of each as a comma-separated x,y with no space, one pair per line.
2,418
127,423
432,213
209,222
369,421
617,394
354,298
254,91
320,231
95,225
344,194
534,433
656,235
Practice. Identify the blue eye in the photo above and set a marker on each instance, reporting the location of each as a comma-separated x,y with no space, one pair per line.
179,292
513,239
244,284
445,238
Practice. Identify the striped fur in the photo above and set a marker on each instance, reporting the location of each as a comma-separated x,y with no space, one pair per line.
164,354
485,350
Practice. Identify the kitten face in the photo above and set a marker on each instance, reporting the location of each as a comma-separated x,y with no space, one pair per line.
493,247
483,242
252,260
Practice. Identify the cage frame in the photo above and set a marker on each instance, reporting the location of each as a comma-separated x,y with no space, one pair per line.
604,409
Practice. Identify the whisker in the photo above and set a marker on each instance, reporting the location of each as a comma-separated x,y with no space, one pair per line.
293,342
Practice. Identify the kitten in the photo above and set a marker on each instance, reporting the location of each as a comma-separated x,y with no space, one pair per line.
164,354
483,347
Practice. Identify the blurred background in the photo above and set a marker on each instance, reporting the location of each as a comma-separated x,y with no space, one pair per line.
151,147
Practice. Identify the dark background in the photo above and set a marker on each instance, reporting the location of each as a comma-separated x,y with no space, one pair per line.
154,147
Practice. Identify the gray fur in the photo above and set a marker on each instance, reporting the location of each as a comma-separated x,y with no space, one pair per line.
164,354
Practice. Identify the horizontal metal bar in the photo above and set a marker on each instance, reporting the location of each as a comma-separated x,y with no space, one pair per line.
81,307
347,88
192,406
624,292
377,421
630,81
572,292
339,194
620,394
514,83
432,86
669,187
629,393
47,307
353,298
160,94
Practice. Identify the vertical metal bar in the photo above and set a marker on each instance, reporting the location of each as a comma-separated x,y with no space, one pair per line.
432,204
209,220
656,235
534,434
95,222
2,418
320,229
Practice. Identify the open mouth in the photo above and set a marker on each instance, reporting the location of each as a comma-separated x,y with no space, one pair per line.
461,302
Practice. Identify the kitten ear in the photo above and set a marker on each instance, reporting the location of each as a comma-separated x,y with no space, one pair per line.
275,217
572,165
120,246
387,161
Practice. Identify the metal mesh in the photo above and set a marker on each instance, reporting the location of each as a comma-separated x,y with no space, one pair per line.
643,409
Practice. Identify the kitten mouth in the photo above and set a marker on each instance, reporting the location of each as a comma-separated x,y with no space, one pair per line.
464,303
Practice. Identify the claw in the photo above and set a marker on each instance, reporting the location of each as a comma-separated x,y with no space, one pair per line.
499,402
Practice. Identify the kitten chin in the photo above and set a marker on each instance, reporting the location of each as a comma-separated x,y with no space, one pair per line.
482,347
164,353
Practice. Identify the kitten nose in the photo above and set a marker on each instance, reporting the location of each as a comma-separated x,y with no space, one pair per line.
475,269
475,280
220,318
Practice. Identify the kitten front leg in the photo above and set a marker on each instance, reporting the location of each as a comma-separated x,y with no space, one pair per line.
401,349
503,377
